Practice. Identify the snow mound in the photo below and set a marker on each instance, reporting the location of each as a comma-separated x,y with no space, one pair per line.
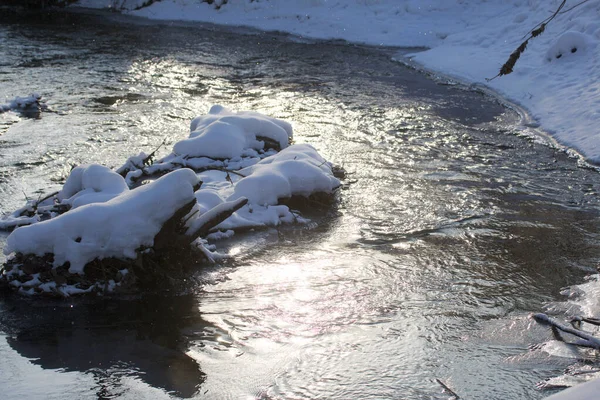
569,43
296,171
224,134
116,228
91,184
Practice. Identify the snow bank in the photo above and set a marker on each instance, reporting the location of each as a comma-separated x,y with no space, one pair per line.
556,79
116,228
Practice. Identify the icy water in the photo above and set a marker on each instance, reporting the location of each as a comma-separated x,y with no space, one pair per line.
453,225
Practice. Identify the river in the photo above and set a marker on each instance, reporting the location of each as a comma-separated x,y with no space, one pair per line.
454,223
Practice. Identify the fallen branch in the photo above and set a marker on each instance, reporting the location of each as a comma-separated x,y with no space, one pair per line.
588,339
447,389
202,225
32,209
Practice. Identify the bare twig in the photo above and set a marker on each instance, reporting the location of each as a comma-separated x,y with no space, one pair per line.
575,6
151,155
447,389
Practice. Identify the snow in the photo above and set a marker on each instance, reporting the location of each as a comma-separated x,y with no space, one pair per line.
296,171
227,134
28,104
244,169
91,184
116,228
103,217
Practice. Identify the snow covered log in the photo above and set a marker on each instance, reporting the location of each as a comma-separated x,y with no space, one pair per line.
104,235
222,139
585,338
102,232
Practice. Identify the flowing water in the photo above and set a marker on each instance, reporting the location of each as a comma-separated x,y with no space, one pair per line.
454,223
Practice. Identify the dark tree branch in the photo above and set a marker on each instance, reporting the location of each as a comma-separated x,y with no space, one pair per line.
588,339
508,66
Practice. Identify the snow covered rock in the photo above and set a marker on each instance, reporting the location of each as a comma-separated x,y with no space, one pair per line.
237,170
221,139
224,134
29,105
296,171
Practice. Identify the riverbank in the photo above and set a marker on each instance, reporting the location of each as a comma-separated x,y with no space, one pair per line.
555,79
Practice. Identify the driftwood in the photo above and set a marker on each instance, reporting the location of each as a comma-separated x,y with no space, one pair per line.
586,339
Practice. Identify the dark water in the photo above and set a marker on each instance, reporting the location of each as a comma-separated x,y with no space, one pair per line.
453,225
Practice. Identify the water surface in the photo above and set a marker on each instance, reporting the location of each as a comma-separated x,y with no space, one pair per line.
453,224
